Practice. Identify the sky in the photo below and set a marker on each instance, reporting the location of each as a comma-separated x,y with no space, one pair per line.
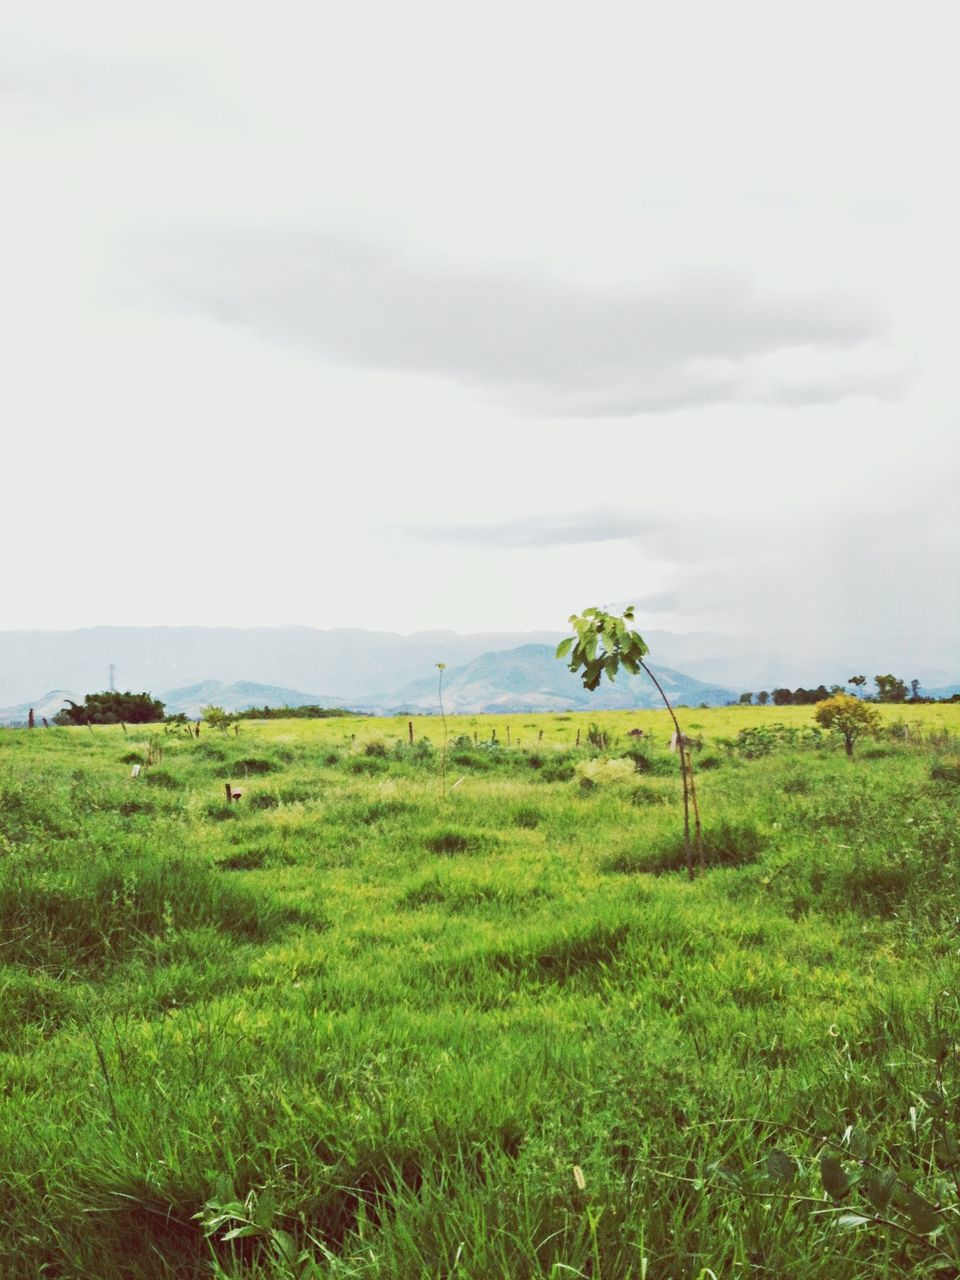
469,316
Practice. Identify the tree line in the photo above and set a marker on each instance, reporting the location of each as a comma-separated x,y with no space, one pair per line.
889,689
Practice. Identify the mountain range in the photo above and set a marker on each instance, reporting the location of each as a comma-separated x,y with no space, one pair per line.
190,667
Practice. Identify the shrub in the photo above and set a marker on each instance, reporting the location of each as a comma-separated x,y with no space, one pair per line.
367,764
254,765
605,773
527,818
161,778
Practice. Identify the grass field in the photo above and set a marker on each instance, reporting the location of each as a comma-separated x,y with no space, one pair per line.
400,1012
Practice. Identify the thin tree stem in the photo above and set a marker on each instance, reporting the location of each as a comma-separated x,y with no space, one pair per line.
686,767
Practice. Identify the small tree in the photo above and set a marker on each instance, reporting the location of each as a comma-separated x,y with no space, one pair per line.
849,716
858,682
603,643
763,697
746,699
217,718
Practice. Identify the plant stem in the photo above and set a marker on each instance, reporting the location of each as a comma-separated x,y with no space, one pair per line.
686,772
443,753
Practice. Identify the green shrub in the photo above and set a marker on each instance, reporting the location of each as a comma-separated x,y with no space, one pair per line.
367,765
252,764
163,779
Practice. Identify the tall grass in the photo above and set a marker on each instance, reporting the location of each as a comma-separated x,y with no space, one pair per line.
353,1025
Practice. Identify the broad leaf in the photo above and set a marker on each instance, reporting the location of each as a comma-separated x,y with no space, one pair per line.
879,1188
564,646
861,1144
922,1214
833,1176
780,1166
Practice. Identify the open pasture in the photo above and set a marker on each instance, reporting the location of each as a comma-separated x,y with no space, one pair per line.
410,1012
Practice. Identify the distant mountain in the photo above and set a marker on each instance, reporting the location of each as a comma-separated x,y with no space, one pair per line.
349,663
239,697
948,691
45,706
371,668
530,678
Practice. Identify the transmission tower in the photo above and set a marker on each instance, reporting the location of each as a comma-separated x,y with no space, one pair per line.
112,670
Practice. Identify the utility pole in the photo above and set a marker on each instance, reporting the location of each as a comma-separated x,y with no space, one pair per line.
112,670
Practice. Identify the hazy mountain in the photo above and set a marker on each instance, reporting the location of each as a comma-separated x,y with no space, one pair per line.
530,678
348,663
239,697
47,705
370,668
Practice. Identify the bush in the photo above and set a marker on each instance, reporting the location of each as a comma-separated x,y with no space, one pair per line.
605,773
161,778
367,764
252,765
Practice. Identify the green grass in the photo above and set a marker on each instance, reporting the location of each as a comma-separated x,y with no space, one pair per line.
359,1024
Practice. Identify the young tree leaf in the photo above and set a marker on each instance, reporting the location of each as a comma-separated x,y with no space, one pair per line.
564,646
861,1144
780,1166
922,1214
833,1176
879,1188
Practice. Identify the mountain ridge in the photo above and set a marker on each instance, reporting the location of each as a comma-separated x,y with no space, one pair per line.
361,668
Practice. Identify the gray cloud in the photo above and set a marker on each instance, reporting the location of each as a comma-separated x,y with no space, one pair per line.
673,538
657,602
539,532
55,84
550,346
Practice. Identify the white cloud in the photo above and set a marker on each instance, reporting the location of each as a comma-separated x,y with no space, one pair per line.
446,270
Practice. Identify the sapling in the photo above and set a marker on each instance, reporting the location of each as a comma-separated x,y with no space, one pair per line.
441,667
603,643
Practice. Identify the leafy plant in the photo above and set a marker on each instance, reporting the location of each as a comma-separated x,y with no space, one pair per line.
603,643
217,718
849,716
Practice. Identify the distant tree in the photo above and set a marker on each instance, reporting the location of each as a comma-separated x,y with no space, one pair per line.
807,697
217,718
763,697
746,699
848,715
914,690
112,707
890,689
859,681
835,689
782,697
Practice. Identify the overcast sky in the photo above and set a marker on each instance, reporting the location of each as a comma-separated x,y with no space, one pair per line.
454,315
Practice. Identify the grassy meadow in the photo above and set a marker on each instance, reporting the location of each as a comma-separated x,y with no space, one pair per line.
405,1012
